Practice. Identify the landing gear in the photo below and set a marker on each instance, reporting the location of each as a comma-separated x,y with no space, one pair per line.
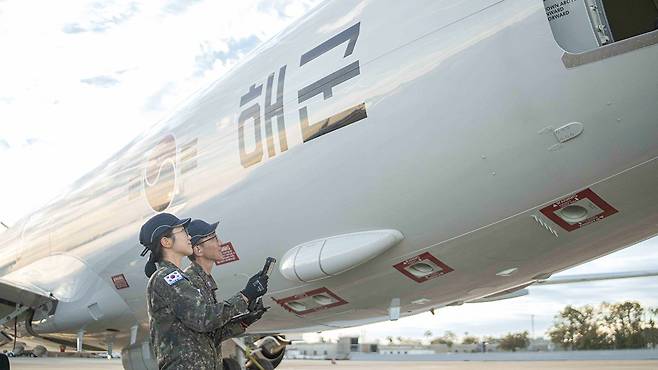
274,358
79,341
4,362
264,354
273,348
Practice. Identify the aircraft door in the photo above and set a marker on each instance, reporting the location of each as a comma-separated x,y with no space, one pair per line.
631,18
582,25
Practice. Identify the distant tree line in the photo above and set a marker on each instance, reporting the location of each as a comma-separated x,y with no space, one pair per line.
510,342
514,341
626,325
606,326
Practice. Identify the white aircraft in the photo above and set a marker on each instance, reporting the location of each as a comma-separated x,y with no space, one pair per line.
394,156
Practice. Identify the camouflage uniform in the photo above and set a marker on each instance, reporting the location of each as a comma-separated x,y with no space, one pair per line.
181,318
204,282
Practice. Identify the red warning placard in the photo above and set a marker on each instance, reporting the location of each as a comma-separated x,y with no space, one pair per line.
587,208
423,267
228,254
120,281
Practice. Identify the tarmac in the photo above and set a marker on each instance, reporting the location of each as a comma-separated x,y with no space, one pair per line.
93,364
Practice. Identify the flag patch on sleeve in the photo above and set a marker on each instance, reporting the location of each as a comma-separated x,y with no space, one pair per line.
173,278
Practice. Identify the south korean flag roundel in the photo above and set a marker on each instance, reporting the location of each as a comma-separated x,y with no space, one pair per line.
173,278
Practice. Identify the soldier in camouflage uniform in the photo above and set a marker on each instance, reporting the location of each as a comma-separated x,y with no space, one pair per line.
180,317
206,248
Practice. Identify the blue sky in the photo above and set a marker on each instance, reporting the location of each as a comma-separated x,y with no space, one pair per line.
78,82
81,80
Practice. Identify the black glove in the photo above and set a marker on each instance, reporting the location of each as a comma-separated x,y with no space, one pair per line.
254,316
256,287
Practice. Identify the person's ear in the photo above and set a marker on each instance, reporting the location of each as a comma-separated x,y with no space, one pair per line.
197,251
166,242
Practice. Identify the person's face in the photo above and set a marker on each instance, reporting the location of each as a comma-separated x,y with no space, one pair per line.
209,248
180,241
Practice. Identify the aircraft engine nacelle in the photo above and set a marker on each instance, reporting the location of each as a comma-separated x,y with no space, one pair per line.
138,357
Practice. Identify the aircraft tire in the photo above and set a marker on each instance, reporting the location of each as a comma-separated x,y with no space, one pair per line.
229,364
4,362
274,359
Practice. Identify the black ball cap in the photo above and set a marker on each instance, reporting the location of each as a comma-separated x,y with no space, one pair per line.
199,229
156,226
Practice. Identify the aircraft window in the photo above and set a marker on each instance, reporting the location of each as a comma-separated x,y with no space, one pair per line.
583,25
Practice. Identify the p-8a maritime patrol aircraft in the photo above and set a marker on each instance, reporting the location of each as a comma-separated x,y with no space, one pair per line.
394,156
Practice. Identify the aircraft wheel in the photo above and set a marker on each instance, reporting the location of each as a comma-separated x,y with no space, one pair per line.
4,362
275,359
230,364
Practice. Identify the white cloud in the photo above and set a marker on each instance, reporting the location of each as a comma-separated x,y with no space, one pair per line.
87,76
